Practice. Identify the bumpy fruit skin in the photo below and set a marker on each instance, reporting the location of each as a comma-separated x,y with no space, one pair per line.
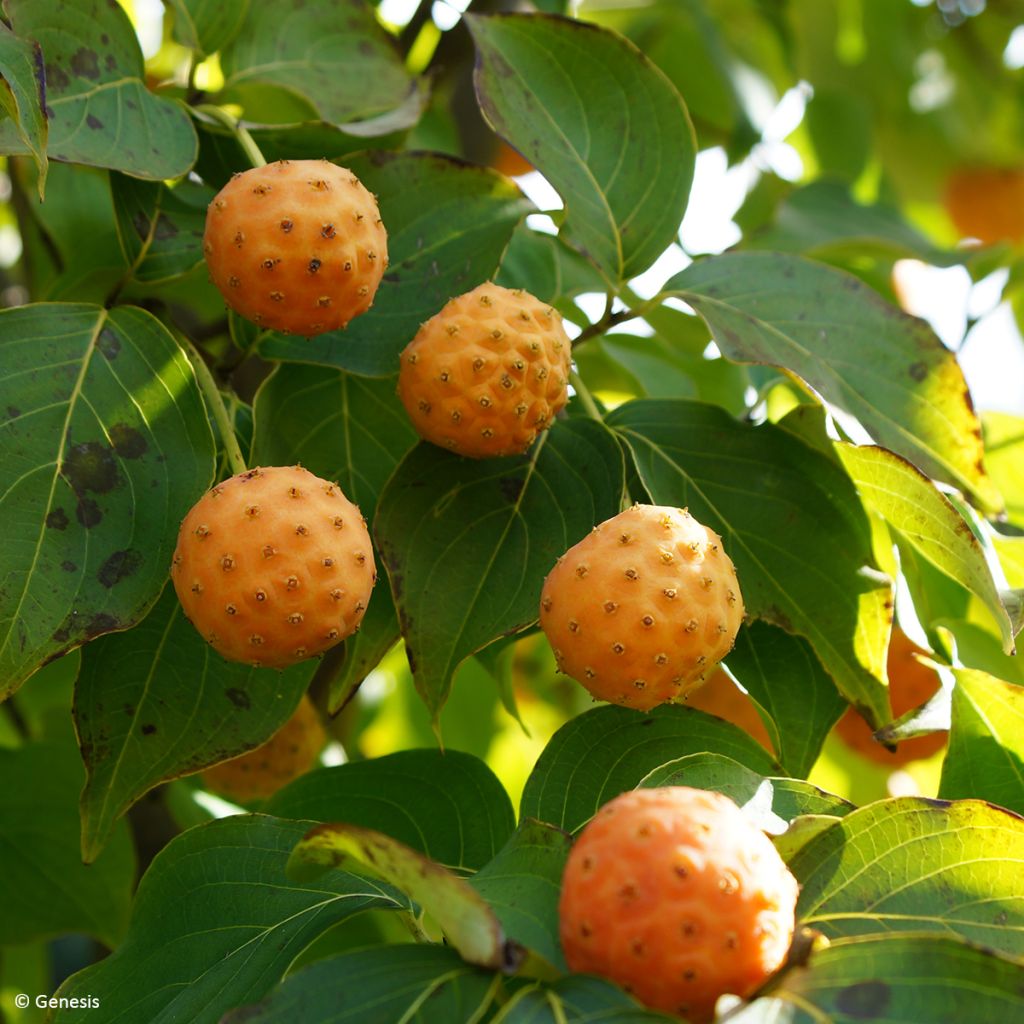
485,375
274,566
296,246
987,203
673,894
722,697
260,773
643,608
910,685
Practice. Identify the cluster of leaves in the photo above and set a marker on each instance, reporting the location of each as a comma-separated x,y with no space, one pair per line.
107,441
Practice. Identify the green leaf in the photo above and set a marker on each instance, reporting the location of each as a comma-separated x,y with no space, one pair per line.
379,985
783,675
900,979
448,224
157,703
469,924
160,229
332,53
912,864
485,534
45,889
886,368
1004,456
910,503
100,111
986,742
609,750
546,267
104,446
522,885
207,25
447,805
600,122
215,923
791,522
577,999
23,96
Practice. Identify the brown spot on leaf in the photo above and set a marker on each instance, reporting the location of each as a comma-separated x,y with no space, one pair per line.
238,697
88,513
865,1000
68,566
148,729
127,441
93,122
85,63
108,342
118,566
918,371
57,519
90,466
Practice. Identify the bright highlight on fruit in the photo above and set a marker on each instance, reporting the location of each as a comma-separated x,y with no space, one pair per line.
297,246
485,375
673,894
290,752
274,566
643,608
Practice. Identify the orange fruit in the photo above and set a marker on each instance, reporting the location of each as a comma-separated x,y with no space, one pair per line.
673,894
722,697
987,203
510,162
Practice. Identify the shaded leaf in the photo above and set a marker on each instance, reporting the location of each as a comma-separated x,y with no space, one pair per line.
22,95
447,805
469,925
100,111
448,224
790,521
609,750
158,702
600,122
485,534
577,999
868,358
104,446
546,267
207,25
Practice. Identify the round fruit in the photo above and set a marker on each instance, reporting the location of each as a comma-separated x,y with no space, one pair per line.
260,773
987,203
673,894
274,566
643,608
911,684
296,246
722,697
487,373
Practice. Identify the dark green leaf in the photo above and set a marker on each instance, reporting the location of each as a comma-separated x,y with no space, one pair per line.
105,445
100,111
22,95
379,985
448,224
600,122
789,519
783,675
215,924
912,864
986,742
578,1000
485,534
207,25
609,750
158,702
447,805
861,354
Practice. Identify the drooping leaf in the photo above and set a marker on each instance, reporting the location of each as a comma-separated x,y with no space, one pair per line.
158,702
448,224
104,446
485,534
783,675
469,924
22,96
447,805
333,53
789,519
917,865
912,504
100,111
604,752
379,985
600,122
215,923
522,884
207,25
868,358
986,741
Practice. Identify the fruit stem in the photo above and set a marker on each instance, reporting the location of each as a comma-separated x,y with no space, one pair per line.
215,403
236,128
585,397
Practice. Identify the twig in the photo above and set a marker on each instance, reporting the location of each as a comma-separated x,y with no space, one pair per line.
611,319
241,134
586,398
